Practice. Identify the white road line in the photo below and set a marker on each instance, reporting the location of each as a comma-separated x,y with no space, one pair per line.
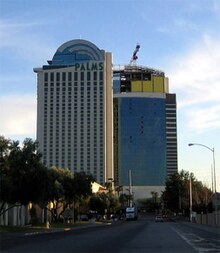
193,239
185,239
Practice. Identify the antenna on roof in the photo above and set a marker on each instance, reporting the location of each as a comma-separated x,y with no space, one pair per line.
134,56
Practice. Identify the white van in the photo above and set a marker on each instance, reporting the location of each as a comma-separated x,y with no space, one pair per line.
131,213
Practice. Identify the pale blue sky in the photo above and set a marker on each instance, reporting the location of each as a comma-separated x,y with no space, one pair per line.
180,37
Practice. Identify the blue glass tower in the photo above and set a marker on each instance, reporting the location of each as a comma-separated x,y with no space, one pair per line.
145,139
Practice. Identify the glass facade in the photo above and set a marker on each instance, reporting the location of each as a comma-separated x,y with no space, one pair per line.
142,140
145,138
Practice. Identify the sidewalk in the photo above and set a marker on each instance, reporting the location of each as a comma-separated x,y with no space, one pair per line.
207,228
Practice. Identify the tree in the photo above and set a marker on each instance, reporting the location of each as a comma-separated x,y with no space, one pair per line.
5,189
113,203
56,191
97,204
68,189
28,175
82,185
23,177
202,198
104,203
82,190
119,189
125,199
176,194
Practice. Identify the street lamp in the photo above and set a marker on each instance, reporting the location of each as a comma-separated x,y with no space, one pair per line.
214,175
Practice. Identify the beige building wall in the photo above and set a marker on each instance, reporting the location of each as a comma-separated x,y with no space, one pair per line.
59,123
109,118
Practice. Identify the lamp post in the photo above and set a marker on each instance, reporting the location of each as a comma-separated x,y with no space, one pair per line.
190,199
213,177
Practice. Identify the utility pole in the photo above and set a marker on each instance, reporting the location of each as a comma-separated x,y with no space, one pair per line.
190,198
213,177
130,188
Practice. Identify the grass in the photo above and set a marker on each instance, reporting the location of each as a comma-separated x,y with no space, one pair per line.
15,229
67,225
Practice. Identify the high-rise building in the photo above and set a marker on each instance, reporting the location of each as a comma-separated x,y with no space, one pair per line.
75,110
145,133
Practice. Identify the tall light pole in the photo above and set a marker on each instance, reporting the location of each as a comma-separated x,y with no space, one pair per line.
130,188
190,198
214,175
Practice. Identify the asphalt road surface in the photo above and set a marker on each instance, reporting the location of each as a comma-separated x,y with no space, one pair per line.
144,235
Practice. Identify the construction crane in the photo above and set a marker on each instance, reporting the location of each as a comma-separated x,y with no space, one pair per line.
134,56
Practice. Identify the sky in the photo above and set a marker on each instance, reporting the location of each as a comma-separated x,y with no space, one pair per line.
180,37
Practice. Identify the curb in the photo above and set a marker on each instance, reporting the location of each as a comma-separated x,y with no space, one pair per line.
9,235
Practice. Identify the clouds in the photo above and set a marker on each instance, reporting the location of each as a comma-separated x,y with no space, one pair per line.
180,37
195,77
18,115
204,118
23,39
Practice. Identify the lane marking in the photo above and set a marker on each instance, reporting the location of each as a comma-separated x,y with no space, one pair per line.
208,247
185,239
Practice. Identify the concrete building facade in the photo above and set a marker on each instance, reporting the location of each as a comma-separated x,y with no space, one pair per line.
75,128
75,110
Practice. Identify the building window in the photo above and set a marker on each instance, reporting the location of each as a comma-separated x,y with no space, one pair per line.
88,76
58,76
69,76
63,76
45,77
75,76
100,76
95,75
51,77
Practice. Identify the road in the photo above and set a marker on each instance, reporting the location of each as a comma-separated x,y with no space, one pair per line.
143,235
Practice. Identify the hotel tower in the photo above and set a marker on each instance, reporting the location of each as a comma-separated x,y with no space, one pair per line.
145,132
75,110
109,122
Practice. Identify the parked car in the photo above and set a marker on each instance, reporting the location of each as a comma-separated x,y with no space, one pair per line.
159,218
84,217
